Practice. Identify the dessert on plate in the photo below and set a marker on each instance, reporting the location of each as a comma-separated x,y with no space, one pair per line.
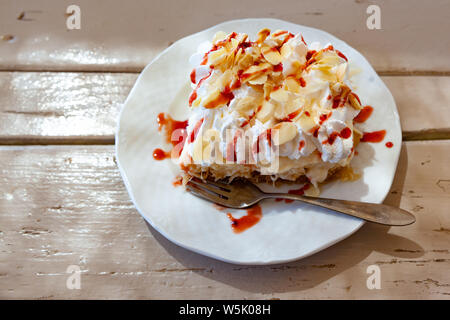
269,109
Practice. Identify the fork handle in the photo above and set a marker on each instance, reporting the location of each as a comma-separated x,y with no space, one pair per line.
373,212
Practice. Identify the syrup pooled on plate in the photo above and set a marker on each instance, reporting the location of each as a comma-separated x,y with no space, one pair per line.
254,214
170,127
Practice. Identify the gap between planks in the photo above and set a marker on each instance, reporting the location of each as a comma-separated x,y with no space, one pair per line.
109,69
425,135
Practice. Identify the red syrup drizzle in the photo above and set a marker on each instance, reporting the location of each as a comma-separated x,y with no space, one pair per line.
254,214
159,154
195,131
300,192
364,114
389,144
178,181
193,76
292,115
170,125
193,95
374,137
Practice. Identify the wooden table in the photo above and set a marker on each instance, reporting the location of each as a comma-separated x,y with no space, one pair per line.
62,200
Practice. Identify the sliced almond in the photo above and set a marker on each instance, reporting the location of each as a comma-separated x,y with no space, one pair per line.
286,50
262,35
341,72
245,104
216,57
266,111
279,111
331,59
279,95
213,96
260,80
354,101
255,71
267,88
305,122
243,60
271,54
292,84
224,80
219,36
241,37
286,132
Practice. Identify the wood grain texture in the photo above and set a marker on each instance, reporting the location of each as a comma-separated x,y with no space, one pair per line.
80,108
61,107
62,206
114,37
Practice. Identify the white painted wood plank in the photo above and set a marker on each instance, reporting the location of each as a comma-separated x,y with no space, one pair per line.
66,107
62,206
114,36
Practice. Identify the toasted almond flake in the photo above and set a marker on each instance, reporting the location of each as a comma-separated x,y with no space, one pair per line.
217,56
286,50
266,111
260,80
255,71
271,54
219,36
354,102
245,104
341,72
213,96
292,84
268,86
224,80
305,122
280,95
286,132
262,35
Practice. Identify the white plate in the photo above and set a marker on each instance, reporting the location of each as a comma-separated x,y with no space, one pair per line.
286,232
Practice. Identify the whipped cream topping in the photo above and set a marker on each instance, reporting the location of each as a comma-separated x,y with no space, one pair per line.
243,88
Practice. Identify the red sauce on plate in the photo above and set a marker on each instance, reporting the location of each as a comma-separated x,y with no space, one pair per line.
159,154
170,126
364,114
254,214
389,144
376,136
178,181
193,76
300,191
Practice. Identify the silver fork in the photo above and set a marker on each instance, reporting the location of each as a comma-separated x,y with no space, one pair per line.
240,195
